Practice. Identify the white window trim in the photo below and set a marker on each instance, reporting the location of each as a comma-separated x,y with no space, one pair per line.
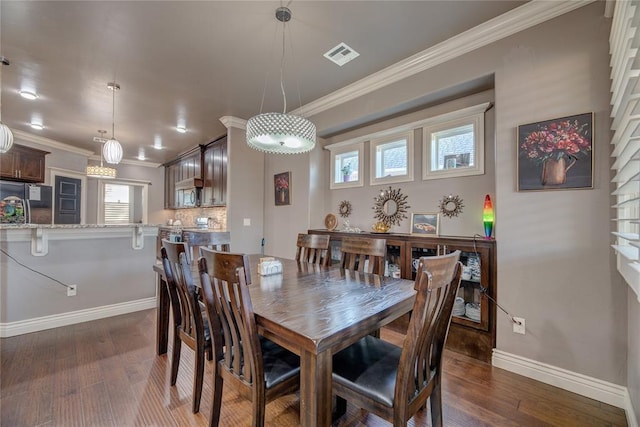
345,148
145,197
464,118
373,145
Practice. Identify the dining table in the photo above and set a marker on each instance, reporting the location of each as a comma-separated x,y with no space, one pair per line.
313,311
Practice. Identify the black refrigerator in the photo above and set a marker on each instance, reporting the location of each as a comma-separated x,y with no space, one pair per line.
34,199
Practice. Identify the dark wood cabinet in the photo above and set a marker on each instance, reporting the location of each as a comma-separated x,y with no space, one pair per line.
214,191
23,164
186,167
472,331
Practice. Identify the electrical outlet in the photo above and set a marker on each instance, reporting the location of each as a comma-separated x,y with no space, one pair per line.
71,290
519,328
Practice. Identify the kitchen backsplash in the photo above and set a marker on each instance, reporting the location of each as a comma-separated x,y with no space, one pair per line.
188,216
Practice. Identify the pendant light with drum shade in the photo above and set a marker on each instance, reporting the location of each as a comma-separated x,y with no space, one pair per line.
6,136
112,150
281,133
101,171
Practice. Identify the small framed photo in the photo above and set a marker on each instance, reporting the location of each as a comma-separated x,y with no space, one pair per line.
282,188
425,223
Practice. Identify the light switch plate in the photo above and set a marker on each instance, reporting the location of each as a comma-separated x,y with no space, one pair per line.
247,222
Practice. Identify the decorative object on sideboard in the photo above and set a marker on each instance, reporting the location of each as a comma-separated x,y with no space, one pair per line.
425,223
101,171
556,154
488,217
390,206
6,136
112,150
451,205
281,133
380,227
282,187
344,209
331,222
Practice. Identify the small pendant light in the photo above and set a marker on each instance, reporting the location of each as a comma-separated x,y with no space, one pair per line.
112,150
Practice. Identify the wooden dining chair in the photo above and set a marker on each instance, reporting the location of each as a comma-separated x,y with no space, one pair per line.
258,368
219,241
356,250
396,382
188,323
313,249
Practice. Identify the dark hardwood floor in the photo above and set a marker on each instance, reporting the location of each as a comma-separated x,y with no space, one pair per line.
106,373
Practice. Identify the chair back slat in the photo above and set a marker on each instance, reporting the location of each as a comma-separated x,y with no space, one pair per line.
356,250
223,280
313,249
437,283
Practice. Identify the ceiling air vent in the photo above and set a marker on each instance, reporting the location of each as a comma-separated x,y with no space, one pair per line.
341,54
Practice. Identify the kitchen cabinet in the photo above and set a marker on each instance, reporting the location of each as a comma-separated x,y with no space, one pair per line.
214,173
23,164
186,167
473,326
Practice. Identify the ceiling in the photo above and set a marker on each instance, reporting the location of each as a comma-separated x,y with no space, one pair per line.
192,62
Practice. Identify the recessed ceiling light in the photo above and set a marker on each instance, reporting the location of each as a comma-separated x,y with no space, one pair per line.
157,143
37,126
181,129
28,95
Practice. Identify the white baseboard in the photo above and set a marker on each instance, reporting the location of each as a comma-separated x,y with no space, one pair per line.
54,321
603,391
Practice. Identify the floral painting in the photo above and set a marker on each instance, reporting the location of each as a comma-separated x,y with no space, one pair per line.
556,154
282,185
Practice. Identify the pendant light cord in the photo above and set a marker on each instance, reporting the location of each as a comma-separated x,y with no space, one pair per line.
113,111
284,97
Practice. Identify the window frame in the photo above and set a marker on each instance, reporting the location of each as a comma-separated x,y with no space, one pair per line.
464,118
337,151
145,197
407,135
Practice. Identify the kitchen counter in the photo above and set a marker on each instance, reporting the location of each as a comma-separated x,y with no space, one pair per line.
71,226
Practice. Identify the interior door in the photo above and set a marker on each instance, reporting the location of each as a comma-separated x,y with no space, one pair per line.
67,196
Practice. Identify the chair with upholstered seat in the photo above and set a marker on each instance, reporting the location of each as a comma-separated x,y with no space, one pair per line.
363,254
396,382
259,369
313,249
216,240
188,323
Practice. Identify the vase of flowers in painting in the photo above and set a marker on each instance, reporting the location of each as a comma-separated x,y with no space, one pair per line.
556,147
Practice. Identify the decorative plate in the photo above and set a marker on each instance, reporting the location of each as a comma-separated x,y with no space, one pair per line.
331,222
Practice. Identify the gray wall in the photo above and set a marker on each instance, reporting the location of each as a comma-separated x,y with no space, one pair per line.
633,354
555,266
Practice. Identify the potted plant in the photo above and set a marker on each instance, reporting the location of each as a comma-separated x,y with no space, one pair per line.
346,172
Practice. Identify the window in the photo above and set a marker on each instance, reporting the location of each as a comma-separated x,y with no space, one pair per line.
122,202
392,159
346,166
455,147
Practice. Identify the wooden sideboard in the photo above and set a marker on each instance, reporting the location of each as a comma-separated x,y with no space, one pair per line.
473,336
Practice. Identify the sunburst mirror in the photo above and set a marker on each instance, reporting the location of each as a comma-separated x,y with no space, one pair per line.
390,206
344,208
451,205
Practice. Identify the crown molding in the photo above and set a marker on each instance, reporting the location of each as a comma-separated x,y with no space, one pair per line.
505,25
41,140
235,122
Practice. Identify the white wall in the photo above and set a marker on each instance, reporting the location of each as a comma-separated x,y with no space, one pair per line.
555,267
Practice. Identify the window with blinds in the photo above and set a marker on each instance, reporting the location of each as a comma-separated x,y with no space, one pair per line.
117,209
625,110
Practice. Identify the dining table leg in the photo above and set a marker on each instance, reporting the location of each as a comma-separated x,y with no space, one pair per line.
315,389
162,313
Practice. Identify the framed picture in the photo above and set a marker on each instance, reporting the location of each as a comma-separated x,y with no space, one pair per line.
282,187
556,154
425,223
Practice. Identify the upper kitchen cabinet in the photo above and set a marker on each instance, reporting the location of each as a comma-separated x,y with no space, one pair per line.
187,167
214,173
23,164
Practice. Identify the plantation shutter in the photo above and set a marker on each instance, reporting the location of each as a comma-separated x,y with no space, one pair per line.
624,42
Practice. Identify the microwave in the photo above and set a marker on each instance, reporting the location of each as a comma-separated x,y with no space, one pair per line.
189,197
